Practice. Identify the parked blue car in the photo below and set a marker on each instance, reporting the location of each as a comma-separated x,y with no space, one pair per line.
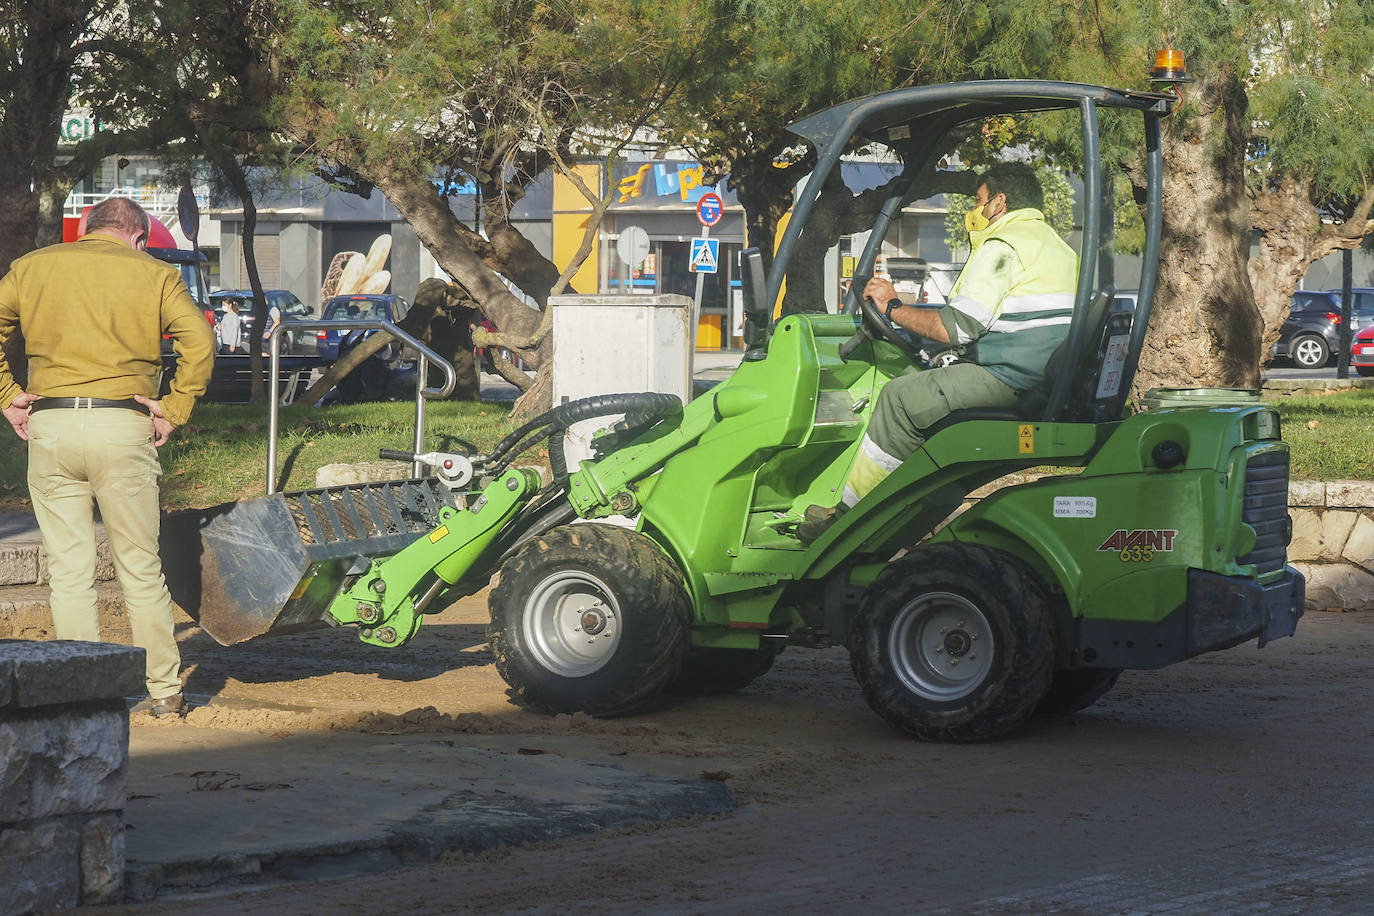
356,307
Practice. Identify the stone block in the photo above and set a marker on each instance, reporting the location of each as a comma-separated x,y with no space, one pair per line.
1336,527
1337,586
1307,493
24,613
1307,534
1359,546
64,671
1320,536
19,564
337,475
1350,494
75,761
102,859
40,868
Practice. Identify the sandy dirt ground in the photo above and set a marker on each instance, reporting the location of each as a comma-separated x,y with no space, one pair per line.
1231,783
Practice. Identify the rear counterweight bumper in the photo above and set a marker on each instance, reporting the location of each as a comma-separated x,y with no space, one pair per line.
1220,612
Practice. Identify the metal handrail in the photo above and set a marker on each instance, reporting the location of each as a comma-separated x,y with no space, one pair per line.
422,393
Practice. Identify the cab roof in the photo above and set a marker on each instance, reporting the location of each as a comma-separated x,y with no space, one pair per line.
896,116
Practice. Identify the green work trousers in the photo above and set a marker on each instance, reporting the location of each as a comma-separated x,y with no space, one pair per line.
106,454
907,407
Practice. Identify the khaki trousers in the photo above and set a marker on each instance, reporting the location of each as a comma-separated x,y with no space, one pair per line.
908,406
105,454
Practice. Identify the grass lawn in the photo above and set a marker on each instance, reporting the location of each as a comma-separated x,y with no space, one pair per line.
1331,435
221,455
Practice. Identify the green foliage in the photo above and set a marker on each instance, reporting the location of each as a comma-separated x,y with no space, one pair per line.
475,87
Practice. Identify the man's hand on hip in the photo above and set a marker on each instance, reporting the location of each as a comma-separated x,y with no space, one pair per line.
162,427
18,413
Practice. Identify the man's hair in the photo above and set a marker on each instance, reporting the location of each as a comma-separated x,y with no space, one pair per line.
118,213
1016,180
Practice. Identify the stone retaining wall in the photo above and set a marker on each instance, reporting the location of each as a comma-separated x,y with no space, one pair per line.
1333,542
64,763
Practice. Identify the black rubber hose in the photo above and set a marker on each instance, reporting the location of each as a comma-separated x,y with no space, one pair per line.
644,407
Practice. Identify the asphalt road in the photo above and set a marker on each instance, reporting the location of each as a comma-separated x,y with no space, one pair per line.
1233,783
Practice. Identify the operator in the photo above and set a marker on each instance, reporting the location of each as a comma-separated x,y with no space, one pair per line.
93,313
1014,299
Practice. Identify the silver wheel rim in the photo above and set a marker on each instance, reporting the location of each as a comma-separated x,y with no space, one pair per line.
1308,352
572,623
941,646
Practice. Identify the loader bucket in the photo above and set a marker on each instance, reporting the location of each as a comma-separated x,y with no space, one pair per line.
273,565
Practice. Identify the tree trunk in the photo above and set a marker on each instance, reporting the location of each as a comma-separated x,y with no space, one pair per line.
1292,237
438,230
232,170
1205,328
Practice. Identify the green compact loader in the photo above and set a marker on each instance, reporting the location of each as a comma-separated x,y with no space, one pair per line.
669,562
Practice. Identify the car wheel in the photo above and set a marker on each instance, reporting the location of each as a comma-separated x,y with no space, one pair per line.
1310,352
1365,370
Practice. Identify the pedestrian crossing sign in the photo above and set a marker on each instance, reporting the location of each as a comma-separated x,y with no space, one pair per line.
705,255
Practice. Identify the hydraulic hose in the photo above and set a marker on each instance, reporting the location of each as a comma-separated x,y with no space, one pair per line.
639,410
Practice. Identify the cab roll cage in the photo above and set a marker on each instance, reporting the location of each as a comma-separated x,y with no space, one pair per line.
891,118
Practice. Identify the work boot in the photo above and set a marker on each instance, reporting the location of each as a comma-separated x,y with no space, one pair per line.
815,521
174,705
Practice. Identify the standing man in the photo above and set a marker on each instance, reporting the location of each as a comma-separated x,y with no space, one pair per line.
93,313
1014,299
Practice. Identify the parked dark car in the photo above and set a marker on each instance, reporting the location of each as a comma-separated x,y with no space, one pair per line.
356,307
1311,334
1362,351
291,308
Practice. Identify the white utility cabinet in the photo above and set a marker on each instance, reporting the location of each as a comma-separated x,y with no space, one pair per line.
618,344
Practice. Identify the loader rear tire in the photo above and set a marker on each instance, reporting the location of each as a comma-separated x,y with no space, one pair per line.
953,642
589,618
707,670
1072,689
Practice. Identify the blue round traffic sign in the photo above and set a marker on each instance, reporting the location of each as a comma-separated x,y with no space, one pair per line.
710,208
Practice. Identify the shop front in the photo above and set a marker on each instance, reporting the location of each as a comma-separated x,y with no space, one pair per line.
659,199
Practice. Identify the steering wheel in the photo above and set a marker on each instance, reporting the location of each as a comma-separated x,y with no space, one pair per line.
875,325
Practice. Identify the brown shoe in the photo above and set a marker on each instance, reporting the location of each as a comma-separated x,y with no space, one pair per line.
174,705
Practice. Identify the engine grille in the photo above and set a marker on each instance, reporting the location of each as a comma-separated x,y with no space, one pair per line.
1266,510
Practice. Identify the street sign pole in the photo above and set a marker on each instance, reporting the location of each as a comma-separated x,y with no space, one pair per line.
696,302
710,210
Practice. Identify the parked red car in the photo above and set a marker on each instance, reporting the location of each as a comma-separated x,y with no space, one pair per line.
1362,351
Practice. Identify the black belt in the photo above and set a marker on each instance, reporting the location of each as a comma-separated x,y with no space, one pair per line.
125,404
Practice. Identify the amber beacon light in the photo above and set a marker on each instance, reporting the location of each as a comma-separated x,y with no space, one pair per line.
1169,67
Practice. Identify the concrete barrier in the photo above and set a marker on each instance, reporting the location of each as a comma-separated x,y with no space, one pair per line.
64,768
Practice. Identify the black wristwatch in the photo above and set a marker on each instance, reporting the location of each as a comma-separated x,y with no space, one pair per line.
892,306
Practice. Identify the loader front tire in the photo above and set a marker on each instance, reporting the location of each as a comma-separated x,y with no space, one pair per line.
953,642
589,618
